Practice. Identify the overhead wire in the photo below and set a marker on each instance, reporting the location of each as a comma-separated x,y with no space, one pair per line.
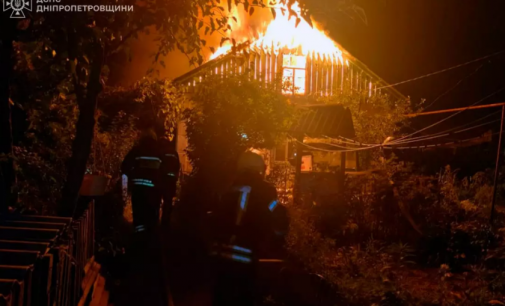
448,131
394,148
325,150
448,117
420,138
456,85
447,134
352,142
443,70
399,141
438,144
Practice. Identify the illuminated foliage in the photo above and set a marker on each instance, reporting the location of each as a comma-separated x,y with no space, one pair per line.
229,116
362,243
375,118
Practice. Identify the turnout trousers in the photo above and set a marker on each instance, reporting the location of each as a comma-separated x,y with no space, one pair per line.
235,283
146,203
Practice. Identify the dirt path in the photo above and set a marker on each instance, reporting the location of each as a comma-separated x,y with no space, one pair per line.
190,279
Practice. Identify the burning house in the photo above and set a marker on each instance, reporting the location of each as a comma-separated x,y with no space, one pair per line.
303,62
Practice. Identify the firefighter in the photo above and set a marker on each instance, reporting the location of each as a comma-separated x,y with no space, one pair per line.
170,167
247,220
142,168
146,284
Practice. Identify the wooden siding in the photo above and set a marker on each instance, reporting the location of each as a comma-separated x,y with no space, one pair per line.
324,75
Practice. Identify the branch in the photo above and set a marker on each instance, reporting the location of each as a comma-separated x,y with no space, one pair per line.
127,36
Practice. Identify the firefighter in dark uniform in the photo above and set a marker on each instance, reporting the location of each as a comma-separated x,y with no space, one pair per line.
146,283
170,167
248,224
142,167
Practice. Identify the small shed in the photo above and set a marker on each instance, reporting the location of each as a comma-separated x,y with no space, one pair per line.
311,136
319,167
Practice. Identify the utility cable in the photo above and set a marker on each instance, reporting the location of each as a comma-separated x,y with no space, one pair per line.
443,70
456,85
420,138
448,131
333,151
447,118
424,138
398,141
395,148
438,144
446,134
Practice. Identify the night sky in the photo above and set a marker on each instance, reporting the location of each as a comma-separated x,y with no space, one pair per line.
405,39
410,38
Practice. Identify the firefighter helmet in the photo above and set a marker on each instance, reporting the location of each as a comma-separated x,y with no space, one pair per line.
251,162
148,133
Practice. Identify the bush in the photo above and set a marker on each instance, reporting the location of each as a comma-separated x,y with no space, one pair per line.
229,116
378,241
282,177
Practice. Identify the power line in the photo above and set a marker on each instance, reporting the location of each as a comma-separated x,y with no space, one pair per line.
452,110
436,145
447,132
333,151
444,70
483,124
420,138
456,85
424,138
399,142
352,141
349,142
447,118
395,148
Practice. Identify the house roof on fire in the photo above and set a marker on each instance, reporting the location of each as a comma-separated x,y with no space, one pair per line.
331,120
191,75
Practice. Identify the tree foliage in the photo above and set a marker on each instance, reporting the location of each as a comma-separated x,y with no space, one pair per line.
375,118
122,111
361,241
229,116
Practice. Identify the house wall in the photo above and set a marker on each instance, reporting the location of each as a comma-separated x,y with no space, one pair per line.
321,160
313,74
333,159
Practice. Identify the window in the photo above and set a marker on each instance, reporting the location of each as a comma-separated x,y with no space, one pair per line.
294,74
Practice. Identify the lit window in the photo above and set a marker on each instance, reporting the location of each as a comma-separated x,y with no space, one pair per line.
287,80
293,61
299,81
294,74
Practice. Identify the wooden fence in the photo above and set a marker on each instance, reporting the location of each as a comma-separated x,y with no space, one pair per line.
43,259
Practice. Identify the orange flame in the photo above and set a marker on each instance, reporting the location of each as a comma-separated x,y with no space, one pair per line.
282,32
